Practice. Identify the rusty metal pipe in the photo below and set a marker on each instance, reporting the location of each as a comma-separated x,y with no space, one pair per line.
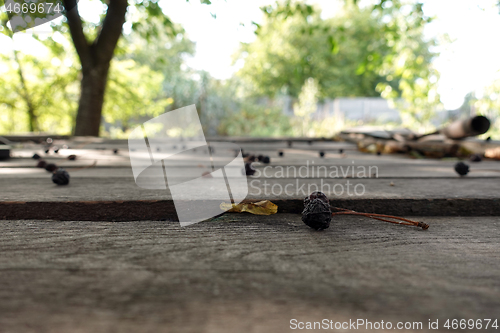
461,129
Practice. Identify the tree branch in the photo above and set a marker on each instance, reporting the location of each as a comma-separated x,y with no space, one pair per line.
32,118
76,30
111,30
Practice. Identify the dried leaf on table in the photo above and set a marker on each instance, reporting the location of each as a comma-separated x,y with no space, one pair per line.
492,153
265,207
392,147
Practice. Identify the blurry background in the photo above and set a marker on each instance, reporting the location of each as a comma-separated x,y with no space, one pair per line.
263,68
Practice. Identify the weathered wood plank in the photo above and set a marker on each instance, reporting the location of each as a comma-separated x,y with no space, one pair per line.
243,273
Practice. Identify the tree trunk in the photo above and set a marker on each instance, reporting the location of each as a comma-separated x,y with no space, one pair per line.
95,58
93,85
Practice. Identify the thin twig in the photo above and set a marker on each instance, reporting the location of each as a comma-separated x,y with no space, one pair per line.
381,217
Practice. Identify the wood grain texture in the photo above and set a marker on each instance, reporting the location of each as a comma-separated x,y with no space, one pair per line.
243,273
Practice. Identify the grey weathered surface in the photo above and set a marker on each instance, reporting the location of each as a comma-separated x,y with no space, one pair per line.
90,189
366,167
382,184
243,273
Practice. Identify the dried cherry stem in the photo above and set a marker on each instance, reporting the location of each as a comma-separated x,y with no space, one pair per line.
382,217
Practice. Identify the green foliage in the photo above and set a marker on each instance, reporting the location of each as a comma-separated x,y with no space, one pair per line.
166,56
11,120
133,93
226,109
369,51
253,119
129,84
489,106
361,52
294,44
45,85
413,84
139,83
149,21
306,105
288,8
146,78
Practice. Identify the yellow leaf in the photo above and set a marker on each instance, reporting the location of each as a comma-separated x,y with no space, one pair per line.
265,207
492,153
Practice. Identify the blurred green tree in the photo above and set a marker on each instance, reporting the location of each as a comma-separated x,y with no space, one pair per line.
362,51
306,105
254,119
147,78
35,95
95,46
134,94
38,92
166,56
409,64
45,96
487,105
290,48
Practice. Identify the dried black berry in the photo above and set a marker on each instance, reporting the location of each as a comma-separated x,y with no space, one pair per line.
475,158
266,160
35,157
461,168
281,153
41,164
61,177
51,167
260,158
321,154
249,170
72,157
115,151
317,213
